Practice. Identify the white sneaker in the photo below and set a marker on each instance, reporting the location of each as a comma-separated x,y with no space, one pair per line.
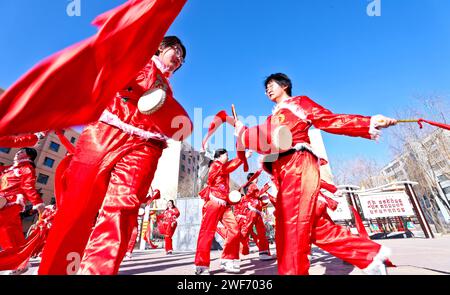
377,267
202,270
229,266
18,271
265,256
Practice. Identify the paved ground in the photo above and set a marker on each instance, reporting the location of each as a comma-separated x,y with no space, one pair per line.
414,256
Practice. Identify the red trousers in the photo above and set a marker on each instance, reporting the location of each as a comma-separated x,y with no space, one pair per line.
262,243
170,230
212,214
11,234
109,175
299,225
133,238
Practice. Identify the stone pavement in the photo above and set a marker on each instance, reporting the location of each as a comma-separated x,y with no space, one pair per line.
413,256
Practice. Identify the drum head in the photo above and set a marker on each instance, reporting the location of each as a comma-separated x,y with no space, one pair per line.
151,101
265,199
282,138
234,197
3,202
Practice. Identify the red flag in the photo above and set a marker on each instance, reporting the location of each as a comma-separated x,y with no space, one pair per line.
436,124
220,118
73,86
359,224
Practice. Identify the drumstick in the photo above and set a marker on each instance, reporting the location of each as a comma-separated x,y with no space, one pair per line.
233,110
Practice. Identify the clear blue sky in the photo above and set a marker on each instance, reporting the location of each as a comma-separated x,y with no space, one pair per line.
333,52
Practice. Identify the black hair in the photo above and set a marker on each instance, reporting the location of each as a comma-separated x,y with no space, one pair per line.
219,152
282,80
31,153
173,203
170,41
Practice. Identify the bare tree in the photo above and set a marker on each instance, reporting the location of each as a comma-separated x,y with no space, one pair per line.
424,151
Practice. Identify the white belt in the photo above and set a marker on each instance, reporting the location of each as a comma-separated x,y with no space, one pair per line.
305,146
113,120
241,216
217,200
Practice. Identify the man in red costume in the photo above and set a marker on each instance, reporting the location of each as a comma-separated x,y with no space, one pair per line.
250,215
169,222
112,169
17,185
297,176
217,208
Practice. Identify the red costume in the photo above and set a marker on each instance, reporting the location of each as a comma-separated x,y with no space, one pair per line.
168,221
111,171
218,209
17,185
297,177
249,214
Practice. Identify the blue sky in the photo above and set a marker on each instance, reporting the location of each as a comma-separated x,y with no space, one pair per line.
332,50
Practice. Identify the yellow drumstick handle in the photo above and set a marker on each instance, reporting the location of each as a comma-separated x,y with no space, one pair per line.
408,121
233,110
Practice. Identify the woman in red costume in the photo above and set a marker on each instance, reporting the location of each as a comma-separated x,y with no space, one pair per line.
297,176
169,222
113,166
217,208
17,185
252,211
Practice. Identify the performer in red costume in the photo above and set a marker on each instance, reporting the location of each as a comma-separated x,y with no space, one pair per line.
252,211
17,185
217,208
296,172
169,222
112,169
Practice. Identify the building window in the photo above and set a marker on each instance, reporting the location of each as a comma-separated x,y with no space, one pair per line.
72,140
182,168
49,162
5,150
189,161
54,146
42,178
189,171
183,157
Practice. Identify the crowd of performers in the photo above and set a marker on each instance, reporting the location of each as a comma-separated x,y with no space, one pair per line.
104,179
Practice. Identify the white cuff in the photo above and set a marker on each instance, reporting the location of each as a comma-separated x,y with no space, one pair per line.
373,131
40,205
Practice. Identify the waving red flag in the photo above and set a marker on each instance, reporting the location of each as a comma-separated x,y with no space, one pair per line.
220,118
73,86
436,124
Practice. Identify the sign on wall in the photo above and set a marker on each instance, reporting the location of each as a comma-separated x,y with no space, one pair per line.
385,204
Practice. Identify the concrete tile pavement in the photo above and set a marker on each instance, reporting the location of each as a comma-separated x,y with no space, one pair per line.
414,256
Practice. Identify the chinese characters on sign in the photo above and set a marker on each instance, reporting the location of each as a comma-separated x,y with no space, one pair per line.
389,204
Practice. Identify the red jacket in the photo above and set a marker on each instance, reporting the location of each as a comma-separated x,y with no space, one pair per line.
164,120
299,113
218,183
17,184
